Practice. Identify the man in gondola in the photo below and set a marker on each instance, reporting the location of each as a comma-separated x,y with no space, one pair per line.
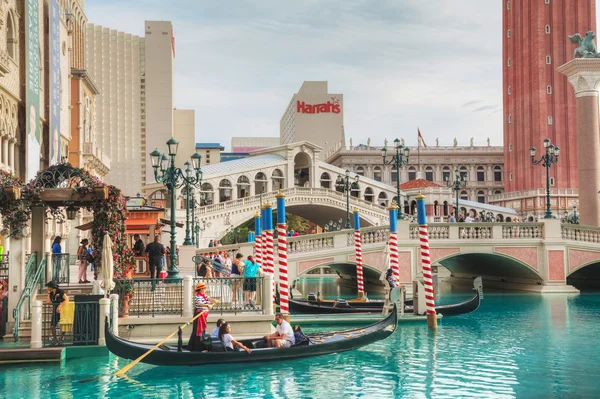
284,336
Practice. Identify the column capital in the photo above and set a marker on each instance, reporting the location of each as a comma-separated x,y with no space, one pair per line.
584,75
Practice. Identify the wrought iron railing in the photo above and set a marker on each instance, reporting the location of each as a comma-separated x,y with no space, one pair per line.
235,294
31,288
150,297
4,266
76,326
60,268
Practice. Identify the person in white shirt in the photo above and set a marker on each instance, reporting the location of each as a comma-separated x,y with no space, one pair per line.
468,219
229,343
284,336
215,331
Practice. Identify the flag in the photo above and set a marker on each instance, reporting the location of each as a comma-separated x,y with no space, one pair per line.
421,138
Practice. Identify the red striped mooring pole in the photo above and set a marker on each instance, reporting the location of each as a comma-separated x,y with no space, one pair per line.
426,262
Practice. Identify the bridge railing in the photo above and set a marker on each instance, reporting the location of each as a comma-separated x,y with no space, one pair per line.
580,233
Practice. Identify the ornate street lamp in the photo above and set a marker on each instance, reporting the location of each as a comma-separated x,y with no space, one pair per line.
457,185
173,178
548,159
397,161
345,184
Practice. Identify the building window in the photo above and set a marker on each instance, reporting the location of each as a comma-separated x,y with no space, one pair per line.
509,89
548,89
360,171
481,197
394,177
377,173
547,1
429,173
498,173
464,196
548,59
510,148
508,33
412,173
552,181
446,173
508,62
11,37
463,173
549,120
547,29
510,176
508,5
480,173
509,118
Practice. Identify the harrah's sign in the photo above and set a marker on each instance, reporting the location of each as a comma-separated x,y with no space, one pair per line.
328,107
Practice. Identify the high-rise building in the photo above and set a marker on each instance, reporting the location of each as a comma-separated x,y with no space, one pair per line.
314,115
157,87
113,60
538,102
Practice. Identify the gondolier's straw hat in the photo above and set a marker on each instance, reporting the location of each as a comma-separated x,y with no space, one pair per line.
200,286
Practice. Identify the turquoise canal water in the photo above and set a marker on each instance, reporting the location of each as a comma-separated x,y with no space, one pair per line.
514,346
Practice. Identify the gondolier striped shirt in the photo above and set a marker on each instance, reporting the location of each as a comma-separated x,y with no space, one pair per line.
202,301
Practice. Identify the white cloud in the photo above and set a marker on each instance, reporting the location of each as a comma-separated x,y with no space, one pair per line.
399,64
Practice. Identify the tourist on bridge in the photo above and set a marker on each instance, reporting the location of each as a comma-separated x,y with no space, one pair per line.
56,252
251,272
452,219
237,269
58,299
155,251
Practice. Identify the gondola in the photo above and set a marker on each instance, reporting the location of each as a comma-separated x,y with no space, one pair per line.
345,307
320,344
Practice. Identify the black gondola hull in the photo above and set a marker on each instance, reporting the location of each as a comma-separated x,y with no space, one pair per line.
322,344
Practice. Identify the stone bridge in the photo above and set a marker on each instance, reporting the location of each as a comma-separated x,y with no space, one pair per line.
546,257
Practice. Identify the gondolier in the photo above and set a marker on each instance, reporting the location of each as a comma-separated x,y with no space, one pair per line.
203,302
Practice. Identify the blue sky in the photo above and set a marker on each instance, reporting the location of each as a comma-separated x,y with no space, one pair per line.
399,64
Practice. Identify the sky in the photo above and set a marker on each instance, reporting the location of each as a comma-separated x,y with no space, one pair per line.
401,65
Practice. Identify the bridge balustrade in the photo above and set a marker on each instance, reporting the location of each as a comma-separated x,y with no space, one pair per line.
580,233
310,243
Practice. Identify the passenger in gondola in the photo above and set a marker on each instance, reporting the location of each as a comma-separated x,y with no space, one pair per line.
203,303
284,336
229,343
215,331
389,276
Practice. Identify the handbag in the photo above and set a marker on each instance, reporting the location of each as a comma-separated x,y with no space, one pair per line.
162,275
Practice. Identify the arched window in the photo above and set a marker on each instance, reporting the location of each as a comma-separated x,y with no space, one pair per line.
260,183
325,180
206,194
480,173
429,173
412,173
463,173
446,173
497,173
11,37
446,208
243,187
225,190
360,171
497,192
464,195
481,197
369,195
382,199
278,180
158,199
436,208
377,174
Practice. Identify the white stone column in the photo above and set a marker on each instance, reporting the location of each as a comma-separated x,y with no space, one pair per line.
114,303
11,155
267,294
188,297
36,325
2,161
102,315
5,152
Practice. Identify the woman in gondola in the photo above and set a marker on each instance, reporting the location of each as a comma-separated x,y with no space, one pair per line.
203,303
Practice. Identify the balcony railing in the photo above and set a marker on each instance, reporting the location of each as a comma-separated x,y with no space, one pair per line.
150,297
90,149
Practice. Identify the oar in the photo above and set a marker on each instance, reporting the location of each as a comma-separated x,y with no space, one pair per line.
125,369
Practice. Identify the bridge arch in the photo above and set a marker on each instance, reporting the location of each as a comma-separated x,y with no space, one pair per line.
585,276
491,265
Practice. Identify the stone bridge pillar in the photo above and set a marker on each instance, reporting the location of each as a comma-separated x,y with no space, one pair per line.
584,76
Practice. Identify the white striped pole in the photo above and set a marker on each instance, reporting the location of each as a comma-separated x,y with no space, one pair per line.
426,262
257,239
284,289
393,242
358,250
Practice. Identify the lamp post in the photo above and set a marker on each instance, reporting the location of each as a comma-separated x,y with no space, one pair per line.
548,159
196,232
345,184
398,161
173,178
458,184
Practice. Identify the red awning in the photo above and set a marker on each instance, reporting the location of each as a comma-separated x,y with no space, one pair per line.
141,222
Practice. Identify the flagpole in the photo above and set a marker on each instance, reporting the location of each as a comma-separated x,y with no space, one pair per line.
418,155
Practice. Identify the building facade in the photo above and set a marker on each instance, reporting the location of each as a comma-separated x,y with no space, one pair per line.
113,60
249,144
314,115
538,102
157,89
211,153
481,167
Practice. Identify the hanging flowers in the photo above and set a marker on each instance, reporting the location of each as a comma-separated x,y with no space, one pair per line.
14,215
